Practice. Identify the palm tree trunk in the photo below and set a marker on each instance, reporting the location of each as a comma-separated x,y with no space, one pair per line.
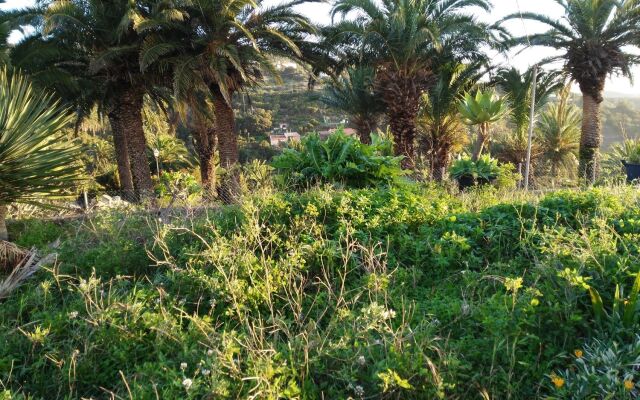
440,162
122,157
227,147
4,233
402,99
129,112
205,146
364,127
481,141
591,138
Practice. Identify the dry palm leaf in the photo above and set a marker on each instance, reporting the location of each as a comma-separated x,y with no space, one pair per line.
22,265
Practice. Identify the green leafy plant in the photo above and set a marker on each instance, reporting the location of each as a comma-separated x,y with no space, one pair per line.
37,160
484,170
627,151
339,159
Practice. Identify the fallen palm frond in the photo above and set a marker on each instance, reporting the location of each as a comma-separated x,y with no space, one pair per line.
10,255
22,264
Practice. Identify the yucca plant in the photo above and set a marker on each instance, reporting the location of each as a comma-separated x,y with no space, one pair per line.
482,109
36,158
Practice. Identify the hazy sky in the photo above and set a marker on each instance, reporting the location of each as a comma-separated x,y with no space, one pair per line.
320,13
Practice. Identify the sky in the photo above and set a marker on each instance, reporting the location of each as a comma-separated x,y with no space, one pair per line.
319,13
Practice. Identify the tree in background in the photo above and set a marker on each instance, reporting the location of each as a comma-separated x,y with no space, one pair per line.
559,134
256,122
481,110
596,37
401,39
36,158
516,87
441,130
353,93
216,48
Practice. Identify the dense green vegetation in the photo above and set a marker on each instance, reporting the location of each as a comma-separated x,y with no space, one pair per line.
401,262
374,293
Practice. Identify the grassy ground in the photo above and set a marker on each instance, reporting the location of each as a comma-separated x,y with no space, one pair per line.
405,293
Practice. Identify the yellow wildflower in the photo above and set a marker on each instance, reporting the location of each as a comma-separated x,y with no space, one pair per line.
629,385
578,353
535,302
558,382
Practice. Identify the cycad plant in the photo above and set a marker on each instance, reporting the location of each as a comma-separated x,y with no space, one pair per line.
441,131
516,87
354,94
597,38
481,110
559,134
36,159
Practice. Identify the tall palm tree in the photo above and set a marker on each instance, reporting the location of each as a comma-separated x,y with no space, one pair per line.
440,126
89,51
481,110
353,94
516,87
401,39
595,37
36,159
217,48
559,133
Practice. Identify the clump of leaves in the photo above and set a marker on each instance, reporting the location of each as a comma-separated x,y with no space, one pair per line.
339,159
485,170
627,151
604,369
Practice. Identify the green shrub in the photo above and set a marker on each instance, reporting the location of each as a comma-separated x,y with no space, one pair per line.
397,292
339,159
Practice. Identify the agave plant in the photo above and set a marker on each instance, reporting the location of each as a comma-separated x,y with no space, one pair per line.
482,109
36,158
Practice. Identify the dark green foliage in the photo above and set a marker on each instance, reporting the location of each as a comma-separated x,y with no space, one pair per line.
382,293
339,159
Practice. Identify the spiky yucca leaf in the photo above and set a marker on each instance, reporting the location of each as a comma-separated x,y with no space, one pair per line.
36,158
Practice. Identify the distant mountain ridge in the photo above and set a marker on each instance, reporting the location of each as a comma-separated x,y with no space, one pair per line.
619,95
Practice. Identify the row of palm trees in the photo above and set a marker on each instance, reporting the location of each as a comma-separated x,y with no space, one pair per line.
409,59
427,57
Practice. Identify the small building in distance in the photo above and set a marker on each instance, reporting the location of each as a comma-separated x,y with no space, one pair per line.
278,137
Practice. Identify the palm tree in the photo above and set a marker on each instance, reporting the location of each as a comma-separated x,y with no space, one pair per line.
559,134
217,48
36,159
401,39
354,95
595,37
441,129
88,51
516,87
482,109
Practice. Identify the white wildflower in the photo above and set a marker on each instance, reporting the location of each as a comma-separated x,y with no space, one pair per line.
183,366
206,372
210,352
73,315
187,383
389,314
362,360
359,391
